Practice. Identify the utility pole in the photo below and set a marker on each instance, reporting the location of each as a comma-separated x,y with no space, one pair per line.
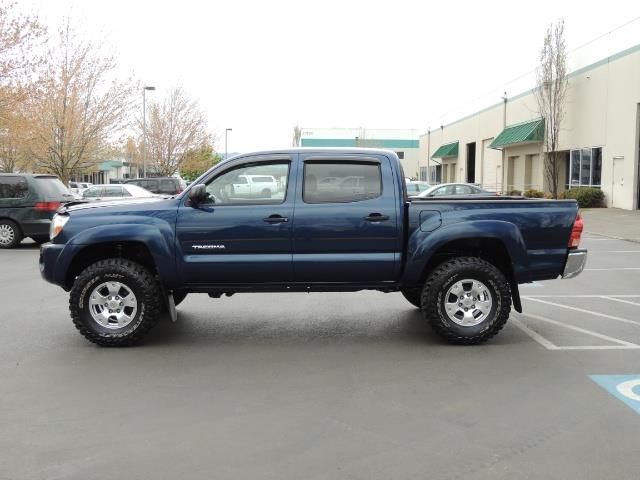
144,129
226,131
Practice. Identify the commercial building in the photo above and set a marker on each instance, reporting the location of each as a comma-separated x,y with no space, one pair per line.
404,142
501,146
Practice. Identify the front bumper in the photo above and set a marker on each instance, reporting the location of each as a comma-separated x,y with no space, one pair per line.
49,253
576,260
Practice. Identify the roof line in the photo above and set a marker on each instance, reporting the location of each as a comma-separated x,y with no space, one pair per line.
591,66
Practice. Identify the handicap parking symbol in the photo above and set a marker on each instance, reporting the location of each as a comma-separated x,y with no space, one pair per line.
623,387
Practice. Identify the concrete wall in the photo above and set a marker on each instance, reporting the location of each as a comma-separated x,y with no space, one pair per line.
602,110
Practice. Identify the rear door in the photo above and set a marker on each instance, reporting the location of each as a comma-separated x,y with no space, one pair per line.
237,237
346,229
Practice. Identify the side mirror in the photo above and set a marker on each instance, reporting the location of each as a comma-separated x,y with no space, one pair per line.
198,194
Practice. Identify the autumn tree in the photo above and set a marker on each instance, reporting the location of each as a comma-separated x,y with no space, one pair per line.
550,94
175,125
77,107
22,40
198,160
297,136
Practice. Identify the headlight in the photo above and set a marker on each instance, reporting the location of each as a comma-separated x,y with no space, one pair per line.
56,225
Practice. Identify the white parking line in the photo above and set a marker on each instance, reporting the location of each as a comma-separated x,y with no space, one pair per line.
582,310
621,344
621,300
582,296
609,269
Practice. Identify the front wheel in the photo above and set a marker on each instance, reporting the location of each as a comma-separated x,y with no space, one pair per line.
115,302
466,300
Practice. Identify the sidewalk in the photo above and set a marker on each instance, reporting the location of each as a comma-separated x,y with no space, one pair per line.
612,222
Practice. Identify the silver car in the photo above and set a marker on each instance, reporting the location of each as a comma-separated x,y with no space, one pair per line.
97,193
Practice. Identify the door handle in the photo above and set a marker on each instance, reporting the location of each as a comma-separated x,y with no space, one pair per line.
376,217
275,218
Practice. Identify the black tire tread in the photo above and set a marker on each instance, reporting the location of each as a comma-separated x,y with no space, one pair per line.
430,299
152,300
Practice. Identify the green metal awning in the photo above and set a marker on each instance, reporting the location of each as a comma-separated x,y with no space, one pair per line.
447,150
524,132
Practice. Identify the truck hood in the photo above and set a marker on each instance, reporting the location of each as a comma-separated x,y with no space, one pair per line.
77,206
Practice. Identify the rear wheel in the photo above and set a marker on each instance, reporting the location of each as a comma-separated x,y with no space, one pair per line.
115,302
10,234
466,300
413,296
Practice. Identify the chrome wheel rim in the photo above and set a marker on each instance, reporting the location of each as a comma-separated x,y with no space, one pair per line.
6,234
113,305
468,302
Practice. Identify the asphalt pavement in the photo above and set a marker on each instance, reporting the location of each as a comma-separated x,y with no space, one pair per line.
324,386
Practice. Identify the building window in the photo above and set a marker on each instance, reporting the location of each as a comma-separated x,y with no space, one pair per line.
436,174
400,155
585,167
424,174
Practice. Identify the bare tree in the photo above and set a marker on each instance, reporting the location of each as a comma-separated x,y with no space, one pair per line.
13,157
175,126
550,93
297,136
77,107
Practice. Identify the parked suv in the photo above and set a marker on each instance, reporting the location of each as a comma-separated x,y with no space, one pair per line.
160,185
27,205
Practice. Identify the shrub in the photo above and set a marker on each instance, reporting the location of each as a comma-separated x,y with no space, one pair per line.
514,193
586,196
533,193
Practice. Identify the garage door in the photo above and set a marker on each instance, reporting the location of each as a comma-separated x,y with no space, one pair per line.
491,171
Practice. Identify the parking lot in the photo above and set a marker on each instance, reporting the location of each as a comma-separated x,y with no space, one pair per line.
324,386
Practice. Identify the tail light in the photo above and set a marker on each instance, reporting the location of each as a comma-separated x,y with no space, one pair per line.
576,232
47,206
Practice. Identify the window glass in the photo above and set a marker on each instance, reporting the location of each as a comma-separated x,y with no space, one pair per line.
463,190
575,167
596,171
231,187
125,193
585,167
339,181
51,187
400,155
412,188
167,185
92,192
112,191
13,187
256,179
446,190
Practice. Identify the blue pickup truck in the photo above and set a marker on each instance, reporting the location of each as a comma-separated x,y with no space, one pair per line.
331,220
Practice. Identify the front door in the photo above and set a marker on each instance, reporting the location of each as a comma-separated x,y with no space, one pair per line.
346,226
239,237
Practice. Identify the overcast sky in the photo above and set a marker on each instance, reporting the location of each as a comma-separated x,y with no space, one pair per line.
261,67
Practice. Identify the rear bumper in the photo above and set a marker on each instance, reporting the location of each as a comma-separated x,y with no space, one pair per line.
576,260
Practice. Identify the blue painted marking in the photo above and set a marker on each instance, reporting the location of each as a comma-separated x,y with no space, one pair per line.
623,387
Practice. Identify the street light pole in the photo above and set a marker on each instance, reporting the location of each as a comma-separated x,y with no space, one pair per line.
226,153
144,129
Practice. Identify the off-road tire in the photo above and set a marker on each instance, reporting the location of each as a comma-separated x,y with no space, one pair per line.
413,296
141,282
11,226
448,273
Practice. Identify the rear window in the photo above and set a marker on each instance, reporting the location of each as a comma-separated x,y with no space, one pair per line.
13,187
262,179
51,187
351,181
168,186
